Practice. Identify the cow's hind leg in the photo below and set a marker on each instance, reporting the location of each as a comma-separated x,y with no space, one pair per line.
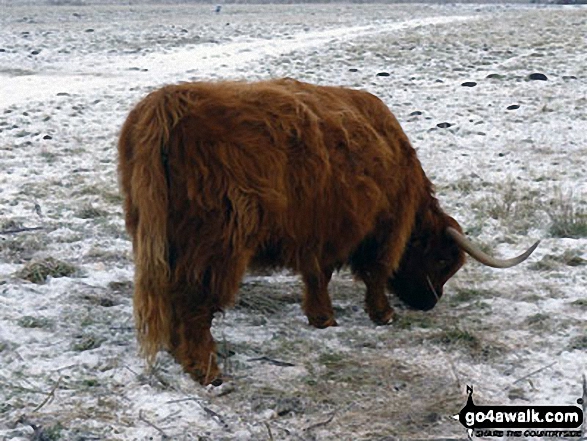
317,304
193,345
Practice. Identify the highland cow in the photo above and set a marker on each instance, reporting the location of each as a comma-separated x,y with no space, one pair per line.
218,177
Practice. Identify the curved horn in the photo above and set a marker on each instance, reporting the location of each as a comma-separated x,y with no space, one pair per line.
474,251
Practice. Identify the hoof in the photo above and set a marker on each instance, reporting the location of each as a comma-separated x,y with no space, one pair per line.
382,318
214,380
207,376
322,322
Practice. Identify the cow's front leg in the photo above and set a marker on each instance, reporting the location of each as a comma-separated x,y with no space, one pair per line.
317,304
376,302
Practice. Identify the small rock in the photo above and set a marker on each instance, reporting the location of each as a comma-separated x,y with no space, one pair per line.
416,113
35,52
495,76
89,30
469,84
537,76
47,137
352,69
566,77
443,125
513,107
383,74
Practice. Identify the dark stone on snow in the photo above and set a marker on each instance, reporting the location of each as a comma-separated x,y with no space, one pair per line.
495,76
383,74
352,69
444,125
416,113
469,84
513,107
537,76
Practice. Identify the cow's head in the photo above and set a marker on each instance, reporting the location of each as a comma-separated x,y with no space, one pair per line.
432,256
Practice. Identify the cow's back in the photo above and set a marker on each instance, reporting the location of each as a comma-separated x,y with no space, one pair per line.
286,170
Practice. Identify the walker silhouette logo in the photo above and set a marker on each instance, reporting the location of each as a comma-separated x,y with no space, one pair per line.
478,418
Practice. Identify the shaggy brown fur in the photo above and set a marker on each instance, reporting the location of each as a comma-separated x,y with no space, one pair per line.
221,176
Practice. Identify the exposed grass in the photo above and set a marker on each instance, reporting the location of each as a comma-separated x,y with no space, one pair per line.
110,196
96,253
86,342
9,224
34,322
112,229
458,337
468,294
50,157
415,319
21,247
476,346
515,208
578,343
88,211
568,219
124,287
581,303
37,272
539,322
464,185
264,299
551,262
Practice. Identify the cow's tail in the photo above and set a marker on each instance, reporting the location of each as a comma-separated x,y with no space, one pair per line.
147,130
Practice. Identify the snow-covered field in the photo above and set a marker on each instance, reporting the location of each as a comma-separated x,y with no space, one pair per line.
510,163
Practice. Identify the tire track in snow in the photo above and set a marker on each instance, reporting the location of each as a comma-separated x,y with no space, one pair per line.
91,75
206,58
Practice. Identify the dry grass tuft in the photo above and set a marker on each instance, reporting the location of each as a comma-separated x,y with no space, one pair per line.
567,218
551,262
88,211
37,272
514,207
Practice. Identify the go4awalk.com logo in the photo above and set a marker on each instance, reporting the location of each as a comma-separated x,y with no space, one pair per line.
520,421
